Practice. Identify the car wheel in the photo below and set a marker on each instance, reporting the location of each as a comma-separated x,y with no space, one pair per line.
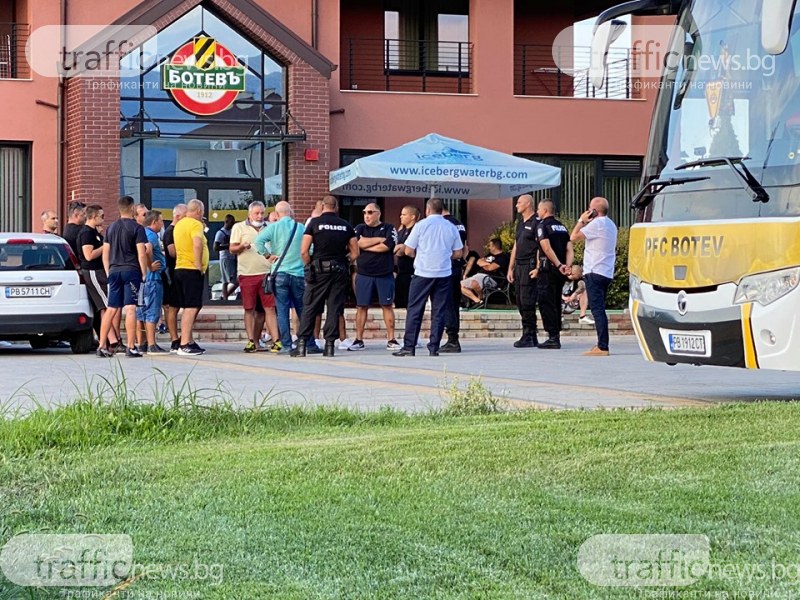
81,343
39,342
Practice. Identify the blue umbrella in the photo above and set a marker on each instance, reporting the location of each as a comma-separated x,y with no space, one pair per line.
444,167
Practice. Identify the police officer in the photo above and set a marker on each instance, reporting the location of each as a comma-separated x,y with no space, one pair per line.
522,270
327,274
453,316
555,262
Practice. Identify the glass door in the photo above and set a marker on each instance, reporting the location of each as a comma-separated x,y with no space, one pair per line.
220,197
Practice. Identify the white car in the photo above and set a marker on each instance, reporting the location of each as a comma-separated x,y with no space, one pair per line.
42,294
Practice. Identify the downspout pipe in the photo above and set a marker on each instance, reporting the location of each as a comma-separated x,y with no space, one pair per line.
61,118
314,24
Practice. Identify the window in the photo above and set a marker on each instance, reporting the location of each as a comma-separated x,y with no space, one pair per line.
15,186
427,36
582,178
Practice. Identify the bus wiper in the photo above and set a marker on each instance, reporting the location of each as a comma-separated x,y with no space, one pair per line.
651,189
749,183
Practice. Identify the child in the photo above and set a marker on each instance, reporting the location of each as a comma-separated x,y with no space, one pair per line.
574,296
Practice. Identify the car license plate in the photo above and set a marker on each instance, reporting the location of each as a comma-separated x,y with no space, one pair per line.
687,343
29,291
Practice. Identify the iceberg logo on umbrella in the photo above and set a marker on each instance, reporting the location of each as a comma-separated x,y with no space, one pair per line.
450,155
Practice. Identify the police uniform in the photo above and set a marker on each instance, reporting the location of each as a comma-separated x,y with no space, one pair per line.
452,324
525,287
327,277
550,279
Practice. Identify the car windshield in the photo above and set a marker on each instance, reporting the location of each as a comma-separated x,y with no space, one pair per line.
34,256
724,96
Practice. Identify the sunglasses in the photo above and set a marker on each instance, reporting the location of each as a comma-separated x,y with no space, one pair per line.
369,212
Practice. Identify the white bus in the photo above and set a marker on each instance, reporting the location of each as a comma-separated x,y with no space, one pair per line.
715,252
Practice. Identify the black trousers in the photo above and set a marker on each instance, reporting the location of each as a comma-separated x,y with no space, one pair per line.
452,323
422,288
527,293
402,283
323,290
551,283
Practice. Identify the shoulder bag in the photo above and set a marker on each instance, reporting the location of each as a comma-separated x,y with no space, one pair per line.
269,279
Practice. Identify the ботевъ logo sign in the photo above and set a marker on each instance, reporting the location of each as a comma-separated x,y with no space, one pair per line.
203,76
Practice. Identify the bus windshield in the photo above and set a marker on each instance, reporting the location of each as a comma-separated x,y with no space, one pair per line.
724,96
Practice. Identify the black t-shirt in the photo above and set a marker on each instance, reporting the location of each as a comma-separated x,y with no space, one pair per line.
527,244
169,238
376,264
462,233
71,231
331,236
405,264
552,230
501,260
122,237
89,236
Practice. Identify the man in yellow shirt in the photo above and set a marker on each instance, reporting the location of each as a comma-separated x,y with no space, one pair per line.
191,264
251,268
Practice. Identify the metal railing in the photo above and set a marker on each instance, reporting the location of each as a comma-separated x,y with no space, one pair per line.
13,37
541,70
409,65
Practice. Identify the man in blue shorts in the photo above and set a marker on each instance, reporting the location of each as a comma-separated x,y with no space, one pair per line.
375,274
125,262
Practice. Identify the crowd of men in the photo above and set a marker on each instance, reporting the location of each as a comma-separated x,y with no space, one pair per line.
284,268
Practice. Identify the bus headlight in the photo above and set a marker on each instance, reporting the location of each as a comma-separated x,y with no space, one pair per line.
635,287
765,288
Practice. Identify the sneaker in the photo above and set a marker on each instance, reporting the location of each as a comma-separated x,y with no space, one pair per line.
156,349
250,347
174,346
356,346
104,353
276,347
162,328
198,348
393,345
189,350
550,344
586,320
132,353
319,343
265,339
264,346
344,344
280,349
595,351
141,348
451,347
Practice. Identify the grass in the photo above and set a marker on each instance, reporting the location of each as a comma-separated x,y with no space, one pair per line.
327,503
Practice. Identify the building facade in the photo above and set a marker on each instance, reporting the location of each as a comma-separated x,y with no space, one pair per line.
235,100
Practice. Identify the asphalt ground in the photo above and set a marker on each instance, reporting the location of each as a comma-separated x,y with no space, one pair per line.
373,378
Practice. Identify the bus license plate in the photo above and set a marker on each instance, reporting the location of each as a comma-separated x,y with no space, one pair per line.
29,292
687,344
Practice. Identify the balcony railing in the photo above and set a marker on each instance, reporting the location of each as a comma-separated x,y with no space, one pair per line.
408,66
13,37
538,73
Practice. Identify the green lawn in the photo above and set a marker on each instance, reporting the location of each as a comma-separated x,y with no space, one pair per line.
331,504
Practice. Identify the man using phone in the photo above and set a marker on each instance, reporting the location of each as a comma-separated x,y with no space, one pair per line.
599,257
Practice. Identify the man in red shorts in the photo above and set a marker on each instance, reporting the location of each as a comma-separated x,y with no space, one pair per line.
251,268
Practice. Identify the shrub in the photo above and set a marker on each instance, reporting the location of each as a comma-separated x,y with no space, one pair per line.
617,291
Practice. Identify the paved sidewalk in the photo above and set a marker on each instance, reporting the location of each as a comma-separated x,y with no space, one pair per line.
374,378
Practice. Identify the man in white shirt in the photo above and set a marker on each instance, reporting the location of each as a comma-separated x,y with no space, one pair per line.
435,243
599,256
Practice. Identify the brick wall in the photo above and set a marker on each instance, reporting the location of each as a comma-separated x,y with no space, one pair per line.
92,128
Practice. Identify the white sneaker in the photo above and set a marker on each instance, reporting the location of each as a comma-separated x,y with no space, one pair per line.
266,338
294,338
586,320
320,344
345,344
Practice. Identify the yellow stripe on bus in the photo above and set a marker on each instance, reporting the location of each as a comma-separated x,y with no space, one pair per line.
638,329
750,359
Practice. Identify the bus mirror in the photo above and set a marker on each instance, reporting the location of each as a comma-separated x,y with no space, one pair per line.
604,35
776,21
